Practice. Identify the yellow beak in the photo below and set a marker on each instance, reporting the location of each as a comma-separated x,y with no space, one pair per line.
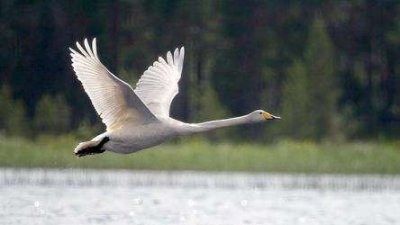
268,116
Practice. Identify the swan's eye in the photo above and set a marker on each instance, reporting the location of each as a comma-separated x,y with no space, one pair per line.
260,113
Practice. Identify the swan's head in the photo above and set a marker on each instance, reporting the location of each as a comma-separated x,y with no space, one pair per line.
261,115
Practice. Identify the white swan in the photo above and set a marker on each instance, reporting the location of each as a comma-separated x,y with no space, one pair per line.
139,119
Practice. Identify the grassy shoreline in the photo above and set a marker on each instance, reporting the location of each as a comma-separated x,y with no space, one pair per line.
285,156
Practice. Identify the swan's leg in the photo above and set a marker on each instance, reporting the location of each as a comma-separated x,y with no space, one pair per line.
90,147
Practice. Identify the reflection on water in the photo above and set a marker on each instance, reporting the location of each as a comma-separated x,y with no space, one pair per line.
132,197
190,179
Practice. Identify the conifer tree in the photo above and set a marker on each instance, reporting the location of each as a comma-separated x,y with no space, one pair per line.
310,92
320,62
52,115
12,114
296,102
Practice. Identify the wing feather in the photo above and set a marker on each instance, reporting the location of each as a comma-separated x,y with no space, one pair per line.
158,85
113,99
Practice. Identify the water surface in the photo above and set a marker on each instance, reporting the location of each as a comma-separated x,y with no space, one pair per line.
132,197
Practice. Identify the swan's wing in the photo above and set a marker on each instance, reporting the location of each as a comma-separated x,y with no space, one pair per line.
158,85
113,99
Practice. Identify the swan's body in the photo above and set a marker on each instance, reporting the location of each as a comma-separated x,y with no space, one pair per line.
139,119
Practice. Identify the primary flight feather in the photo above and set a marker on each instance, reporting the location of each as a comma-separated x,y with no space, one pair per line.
138,119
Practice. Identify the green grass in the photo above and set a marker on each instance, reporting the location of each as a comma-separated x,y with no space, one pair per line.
285,156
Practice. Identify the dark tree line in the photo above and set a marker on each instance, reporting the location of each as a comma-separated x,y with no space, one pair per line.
329,68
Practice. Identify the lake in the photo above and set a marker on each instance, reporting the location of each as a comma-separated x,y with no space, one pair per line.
70,196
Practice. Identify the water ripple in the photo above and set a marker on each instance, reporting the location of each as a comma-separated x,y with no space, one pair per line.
194,179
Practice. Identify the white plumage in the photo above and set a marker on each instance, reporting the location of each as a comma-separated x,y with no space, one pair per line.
138,119
158,85
112,98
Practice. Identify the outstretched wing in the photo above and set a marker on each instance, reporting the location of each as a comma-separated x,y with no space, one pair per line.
158,85
113,99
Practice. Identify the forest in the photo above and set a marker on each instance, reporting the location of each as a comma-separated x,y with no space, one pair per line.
328,68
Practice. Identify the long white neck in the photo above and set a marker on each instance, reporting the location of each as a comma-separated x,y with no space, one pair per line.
214,124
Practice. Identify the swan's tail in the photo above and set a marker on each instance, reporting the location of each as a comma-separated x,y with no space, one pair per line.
90,147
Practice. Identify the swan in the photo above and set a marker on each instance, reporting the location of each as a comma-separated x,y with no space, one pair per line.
138,118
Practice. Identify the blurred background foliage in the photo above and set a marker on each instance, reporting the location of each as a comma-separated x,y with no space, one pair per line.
329,68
